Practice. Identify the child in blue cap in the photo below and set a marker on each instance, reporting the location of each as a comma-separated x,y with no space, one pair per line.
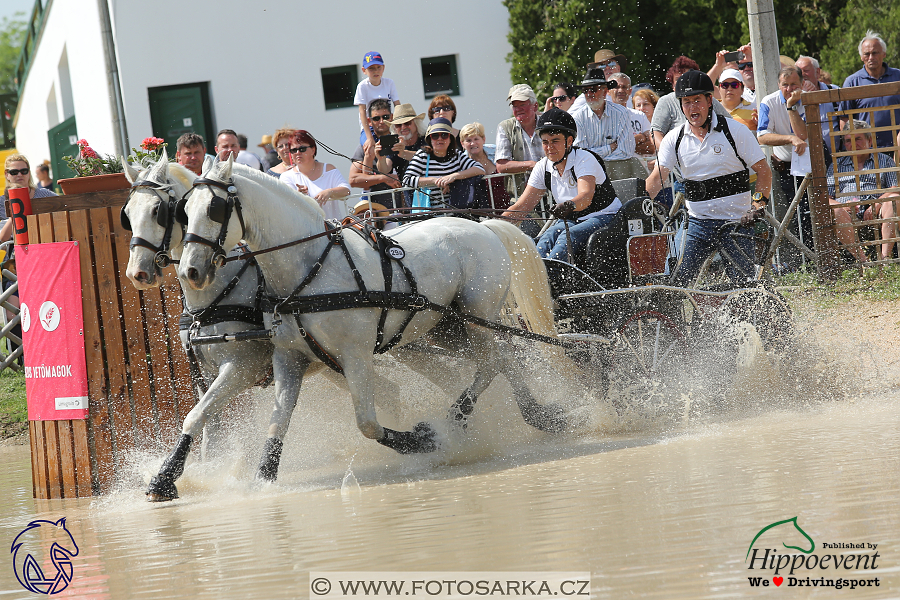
373,87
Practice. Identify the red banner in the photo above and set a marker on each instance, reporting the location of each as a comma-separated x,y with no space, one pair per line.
52,331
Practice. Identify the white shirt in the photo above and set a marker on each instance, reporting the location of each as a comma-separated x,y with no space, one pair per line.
366,92
563,187
639,121
712,157
774,118
334,209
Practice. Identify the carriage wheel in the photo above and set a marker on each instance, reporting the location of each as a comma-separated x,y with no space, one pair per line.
648,345
766,311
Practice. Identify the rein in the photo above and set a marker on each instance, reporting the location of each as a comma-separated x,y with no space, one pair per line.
220,210
165,217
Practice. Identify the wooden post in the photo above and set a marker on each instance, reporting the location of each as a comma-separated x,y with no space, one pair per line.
133,402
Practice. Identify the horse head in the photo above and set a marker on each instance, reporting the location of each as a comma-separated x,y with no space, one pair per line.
150,215
209,213
61,550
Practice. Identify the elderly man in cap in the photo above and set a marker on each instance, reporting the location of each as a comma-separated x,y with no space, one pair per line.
605,128
518,143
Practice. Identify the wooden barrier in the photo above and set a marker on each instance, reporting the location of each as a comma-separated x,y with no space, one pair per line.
139,385
824,226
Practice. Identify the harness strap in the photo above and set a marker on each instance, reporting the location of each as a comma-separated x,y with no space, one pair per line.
222,314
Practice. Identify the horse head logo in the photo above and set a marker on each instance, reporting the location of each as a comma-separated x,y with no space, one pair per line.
812,544
62,549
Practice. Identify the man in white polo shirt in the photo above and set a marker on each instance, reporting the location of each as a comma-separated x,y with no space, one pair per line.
713,154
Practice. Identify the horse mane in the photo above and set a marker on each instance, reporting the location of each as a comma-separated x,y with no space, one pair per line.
275,185
182,175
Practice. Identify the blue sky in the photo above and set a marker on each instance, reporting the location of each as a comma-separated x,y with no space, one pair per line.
10,7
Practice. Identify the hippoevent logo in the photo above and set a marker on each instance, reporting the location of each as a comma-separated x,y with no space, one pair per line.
30,542
833,569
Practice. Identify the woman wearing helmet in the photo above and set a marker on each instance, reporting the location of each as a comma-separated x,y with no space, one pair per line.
583,196
713,154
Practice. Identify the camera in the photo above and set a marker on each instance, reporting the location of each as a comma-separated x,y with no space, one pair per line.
735,56
387,142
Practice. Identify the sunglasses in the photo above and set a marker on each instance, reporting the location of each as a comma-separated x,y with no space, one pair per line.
730,84
562,98
441,109
380,117
440,135
17,171
612,63
300,149
748,65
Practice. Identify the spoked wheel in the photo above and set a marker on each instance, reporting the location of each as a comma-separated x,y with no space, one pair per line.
766,311
648,346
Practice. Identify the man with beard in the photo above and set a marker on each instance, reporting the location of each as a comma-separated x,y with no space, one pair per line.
410,128
605,128
714,154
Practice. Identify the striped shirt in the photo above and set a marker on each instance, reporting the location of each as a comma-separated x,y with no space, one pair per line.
598,133
867,181
436,167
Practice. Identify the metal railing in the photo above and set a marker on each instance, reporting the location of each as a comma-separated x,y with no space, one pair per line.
10,344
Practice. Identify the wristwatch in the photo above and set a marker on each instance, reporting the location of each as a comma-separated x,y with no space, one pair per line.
758,198
792,108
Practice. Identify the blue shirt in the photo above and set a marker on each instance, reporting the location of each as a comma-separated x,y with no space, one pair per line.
882,118
868,182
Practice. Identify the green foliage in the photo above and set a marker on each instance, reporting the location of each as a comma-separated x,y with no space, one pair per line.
13,407
552,40
841,55
12,36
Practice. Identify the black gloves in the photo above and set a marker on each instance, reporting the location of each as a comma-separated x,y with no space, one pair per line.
752,216
563,210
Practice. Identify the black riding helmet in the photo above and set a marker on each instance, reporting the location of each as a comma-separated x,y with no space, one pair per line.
557,120
695,83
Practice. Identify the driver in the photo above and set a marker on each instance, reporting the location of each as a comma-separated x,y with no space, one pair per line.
584,199
713,153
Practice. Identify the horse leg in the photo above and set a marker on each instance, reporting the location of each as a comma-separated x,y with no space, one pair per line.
230,381
289,367
547,418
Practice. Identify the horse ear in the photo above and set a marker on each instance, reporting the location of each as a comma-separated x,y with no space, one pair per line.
208,162
159,173
130,172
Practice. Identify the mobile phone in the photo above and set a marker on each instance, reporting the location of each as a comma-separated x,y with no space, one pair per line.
388,142
735,56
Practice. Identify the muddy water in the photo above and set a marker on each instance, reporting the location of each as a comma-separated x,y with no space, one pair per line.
665,506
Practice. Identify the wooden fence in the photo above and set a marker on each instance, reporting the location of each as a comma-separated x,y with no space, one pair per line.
829,263
139,386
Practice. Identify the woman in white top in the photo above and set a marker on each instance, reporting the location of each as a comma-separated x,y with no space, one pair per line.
321,181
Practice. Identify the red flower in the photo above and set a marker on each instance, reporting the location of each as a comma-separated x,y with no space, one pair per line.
88,152
82,143
151,144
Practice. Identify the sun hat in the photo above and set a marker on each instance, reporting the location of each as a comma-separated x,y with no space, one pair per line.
521,91
439,124
404,113
372,58
731,74
595,76
378,210
266,141
605,54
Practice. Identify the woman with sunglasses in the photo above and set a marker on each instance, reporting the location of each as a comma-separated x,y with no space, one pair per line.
731,90
443,106
440,163
281,141
321,181
18,175
564,94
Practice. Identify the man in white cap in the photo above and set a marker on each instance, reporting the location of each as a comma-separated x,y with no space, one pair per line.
518,143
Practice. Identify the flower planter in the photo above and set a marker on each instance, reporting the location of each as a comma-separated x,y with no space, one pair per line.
94,183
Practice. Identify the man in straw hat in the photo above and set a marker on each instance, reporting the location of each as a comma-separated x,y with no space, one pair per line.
605,128
271,158
411,129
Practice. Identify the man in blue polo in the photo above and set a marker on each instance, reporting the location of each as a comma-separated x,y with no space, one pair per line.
872,51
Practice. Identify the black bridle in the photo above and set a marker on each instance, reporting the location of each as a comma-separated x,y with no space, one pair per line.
219,211
165,217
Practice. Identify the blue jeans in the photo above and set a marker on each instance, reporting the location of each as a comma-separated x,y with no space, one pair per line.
702,240
553,243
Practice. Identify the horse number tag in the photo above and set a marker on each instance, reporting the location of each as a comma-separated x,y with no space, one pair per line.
635,227
396,252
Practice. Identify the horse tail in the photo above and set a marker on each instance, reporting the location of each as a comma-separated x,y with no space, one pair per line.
529,297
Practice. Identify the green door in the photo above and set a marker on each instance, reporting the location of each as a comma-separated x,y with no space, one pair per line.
178,109
63,142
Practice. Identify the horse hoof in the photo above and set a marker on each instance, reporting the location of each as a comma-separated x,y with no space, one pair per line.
161,489
549,419
418,441
268,466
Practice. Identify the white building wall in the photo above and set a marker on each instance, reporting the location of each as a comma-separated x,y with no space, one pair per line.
263,59
72,28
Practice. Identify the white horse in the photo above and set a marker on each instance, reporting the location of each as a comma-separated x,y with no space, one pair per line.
451,261
232,367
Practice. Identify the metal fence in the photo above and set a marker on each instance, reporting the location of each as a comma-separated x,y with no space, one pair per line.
10,344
